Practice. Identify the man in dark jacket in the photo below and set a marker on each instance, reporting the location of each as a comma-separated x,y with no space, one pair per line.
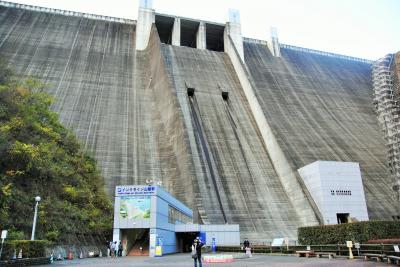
197,244
246,243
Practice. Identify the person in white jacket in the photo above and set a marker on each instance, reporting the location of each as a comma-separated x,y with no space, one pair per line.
196,251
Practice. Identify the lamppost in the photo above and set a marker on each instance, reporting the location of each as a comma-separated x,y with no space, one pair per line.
37,199
153,182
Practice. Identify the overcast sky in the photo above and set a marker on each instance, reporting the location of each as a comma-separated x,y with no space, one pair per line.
361,28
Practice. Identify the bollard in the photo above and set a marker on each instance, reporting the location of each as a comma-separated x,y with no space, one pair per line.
20,254
350,245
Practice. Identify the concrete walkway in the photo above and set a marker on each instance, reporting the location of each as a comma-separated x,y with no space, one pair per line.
185,260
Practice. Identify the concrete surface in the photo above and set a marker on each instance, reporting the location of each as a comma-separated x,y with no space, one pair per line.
185,260
230,161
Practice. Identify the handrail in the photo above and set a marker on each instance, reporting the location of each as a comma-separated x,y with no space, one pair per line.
323,53
67,12
308,50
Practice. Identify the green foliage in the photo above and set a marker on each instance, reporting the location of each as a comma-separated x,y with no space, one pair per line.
53,235
30,249
14,234
38,156
358,232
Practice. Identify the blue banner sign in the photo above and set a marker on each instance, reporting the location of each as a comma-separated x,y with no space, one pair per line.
213,245
203,237
139,190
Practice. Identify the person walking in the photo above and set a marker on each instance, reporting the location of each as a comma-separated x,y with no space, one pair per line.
112,249
247,248
115,249
108,249
196,251
120,248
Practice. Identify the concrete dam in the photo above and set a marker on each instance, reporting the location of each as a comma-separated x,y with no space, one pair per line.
223,121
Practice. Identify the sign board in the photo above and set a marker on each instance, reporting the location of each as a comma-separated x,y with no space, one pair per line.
135,207
308,247
349,244
396,248
203,237
277,242
135,190
152,244
213,245
4,234
357,245
158,251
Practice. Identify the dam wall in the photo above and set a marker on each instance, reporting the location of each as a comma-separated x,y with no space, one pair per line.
320,108
193,118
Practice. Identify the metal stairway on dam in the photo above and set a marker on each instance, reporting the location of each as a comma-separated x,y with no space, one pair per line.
231,160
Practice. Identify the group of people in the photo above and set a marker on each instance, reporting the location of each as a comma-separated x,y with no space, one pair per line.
114,249
196,251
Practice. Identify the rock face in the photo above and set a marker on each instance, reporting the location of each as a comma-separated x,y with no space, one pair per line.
132,110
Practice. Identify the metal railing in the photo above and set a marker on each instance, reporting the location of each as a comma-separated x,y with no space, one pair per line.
329,54
387,109
338,249
311,51
67,13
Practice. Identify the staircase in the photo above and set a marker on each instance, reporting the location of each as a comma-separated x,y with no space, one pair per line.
141,242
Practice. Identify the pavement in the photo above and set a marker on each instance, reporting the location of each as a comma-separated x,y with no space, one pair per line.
177,260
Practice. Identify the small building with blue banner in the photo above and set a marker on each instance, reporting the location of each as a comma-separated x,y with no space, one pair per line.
150,221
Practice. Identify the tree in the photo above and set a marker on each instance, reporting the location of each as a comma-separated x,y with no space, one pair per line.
39,156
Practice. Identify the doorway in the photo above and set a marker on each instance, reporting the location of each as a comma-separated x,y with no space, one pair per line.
135,242
185,241
342,217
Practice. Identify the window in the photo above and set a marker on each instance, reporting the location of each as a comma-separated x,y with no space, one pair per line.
175,215
341,192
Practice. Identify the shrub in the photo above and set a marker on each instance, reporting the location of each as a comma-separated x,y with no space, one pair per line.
358,232
14,234
52,235
30,249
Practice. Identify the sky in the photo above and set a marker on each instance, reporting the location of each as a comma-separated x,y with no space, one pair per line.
360,28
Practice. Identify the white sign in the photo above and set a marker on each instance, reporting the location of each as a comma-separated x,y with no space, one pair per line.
4,234
308,247
135,190
357,245
152,244
349,244
396,248
277,242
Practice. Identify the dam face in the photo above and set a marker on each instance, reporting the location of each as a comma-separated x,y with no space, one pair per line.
186,116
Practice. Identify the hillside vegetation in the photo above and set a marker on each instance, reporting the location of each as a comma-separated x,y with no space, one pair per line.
38,156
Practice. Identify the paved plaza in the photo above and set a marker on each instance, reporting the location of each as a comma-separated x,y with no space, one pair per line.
177,260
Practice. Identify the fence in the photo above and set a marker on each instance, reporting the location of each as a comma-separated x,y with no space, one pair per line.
338,249
67,13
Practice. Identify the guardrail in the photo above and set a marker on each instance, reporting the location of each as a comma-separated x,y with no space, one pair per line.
317,52
338,249
311,51
67,13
